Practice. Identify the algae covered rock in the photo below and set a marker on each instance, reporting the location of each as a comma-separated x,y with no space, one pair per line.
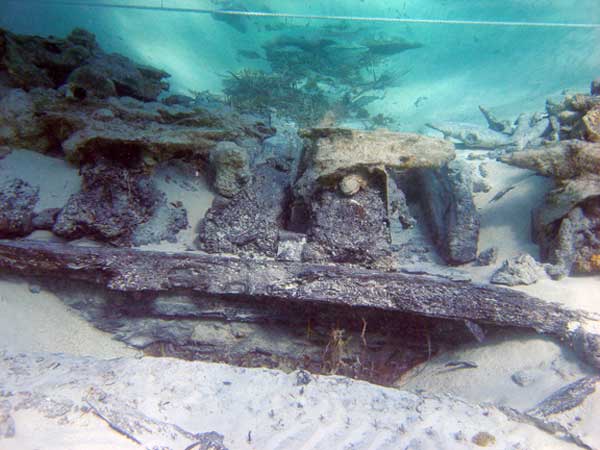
522,269
119,205
36,62
249,222
229,162
115,75
20,125
561,160
348,229
332,153
17,202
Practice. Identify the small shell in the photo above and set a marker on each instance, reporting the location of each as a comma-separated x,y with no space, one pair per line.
351,184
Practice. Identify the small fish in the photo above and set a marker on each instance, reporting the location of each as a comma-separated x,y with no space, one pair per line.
501,194
475,330
249,54
461,364
420,100
391,46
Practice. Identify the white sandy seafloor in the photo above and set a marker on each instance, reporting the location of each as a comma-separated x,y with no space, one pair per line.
332,412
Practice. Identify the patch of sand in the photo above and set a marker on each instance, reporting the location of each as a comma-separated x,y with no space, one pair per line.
544,364
55,178
506,224
181,182
42,323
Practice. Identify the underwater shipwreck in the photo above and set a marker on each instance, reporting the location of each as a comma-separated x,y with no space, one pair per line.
284,262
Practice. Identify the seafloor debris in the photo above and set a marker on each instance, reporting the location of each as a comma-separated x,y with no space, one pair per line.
522,269
527,130
567,225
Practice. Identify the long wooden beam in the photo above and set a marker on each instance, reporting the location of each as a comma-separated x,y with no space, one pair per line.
137,270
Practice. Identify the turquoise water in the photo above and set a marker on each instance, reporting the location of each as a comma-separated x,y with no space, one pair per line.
511,69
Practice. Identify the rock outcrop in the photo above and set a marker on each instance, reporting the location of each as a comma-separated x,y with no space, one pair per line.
230,165
118,205
249,222
77,62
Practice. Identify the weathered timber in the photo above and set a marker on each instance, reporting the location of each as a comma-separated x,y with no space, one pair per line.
135,270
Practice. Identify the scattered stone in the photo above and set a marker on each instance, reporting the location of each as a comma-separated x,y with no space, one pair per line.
290,246
303,378
285,146
591,125
575,116
35,288
477,156
484,170
397,205
44,220
487,257
229,163
460,436
17,202
566,224
522,269
483,439
115,75
524,378
571,243
46,121
166,221
20,127
481,185
446,196
249,222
